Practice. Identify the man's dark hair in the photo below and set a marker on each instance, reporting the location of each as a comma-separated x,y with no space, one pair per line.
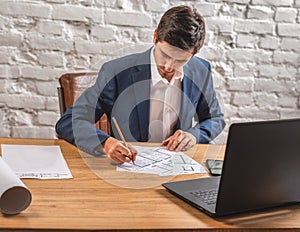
182,27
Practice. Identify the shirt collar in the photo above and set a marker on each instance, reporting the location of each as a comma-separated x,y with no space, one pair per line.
156,77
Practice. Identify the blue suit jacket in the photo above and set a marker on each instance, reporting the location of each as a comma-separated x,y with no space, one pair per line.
122,90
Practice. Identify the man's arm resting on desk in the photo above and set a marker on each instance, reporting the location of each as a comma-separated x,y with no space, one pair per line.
86,140
85,135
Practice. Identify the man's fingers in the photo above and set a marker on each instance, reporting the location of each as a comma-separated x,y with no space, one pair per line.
116,159
181,141
133,152
175,140
119,152
169,142
174,144
183,145
119,158
166,141
127,151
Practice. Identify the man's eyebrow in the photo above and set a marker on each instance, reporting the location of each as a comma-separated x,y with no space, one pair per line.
165,54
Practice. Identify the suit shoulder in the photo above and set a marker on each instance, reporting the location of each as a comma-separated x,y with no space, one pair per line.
198,61
129,61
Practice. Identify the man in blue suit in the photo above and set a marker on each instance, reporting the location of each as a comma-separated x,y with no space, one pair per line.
163,95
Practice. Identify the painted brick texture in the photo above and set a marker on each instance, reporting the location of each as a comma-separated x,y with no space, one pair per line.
253,46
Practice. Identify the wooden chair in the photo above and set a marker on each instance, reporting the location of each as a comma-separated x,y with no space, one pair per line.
71,87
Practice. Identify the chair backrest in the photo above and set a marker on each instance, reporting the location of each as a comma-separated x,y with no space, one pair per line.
71,87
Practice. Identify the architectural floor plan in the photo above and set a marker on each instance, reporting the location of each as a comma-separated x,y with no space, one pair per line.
160,161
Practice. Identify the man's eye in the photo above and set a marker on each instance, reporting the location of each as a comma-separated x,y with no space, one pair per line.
180,61
165,55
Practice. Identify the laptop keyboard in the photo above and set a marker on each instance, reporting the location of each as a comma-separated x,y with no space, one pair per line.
209,197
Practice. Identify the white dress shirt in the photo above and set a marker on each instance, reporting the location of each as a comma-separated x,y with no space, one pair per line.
165,102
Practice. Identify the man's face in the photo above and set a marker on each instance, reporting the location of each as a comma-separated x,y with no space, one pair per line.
170,59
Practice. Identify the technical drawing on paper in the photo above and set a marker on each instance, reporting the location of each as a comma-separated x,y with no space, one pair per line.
160,161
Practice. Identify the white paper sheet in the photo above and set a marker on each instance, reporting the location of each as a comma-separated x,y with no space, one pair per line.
32,161
160,161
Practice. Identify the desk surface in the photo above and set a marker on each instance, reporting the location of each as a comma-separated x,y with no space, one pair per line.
88,202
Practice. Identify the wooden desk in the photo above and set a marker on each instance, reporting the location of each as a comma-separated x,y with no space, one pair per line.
87,202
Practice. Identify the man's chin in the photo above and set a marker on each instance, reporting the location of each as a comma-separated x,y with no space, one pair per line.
166,74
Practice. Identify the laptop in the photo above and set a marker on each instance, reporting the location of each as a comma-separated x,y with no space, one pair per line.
261,170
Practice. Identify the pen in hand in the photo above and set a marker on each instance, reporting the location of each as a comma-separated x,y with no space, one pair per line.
122,137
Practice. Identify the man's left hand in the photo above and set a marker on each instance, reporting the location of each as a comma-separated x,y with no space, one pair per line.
180,141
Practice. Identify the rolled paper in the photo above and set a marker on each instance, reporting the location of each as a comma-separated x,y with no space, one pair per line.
14,195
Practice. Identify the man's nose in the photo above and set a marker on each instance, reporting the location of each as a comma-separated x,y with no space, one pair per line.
169,65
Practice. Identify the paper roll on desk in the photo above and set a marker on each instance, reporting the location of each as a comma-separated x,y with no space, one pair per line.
14,195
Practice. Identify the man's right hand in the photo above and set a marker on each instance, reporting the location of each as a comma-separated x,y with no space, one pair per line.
119,152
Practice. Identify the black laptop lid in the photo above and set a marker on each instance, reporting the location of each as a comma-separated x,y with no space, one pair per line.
262,166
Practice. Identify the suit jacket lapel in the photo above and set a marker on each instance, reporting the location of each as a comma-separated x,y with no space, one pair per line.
187,109
141,81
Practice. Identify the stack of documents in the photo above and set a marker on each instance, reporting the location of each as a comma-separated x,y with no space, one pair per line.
31,161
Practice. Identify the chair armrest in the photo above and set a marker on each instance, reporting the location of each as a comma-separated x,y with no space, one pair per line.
61,100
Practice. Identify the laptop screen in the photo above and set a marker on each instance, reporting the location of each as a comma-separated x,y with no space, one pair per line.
261,166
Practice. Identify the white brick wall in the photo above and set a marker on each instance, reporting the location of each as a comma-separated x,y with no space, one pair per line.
260,12
253,46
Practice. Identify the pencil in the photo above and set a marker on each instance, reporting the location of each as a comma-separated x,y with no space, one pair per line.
120,133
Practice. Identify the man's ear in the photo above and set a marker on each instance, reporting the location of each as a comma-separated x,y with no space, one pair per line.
155,35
